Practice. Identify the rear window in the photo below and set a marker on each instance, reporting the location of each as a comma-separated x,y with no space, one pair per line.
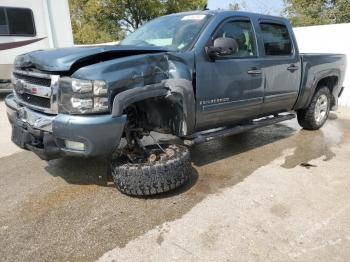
277,41
16,22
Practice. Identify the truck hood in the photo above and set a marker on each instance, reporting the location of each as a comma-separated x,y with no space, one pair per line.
71,59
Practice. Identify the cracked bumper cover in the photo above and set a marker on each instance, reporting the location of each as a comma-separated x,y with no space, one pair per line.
45,134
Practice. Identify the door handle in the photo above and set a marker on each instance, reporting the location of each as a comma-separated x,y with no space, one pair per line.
293,68
254,71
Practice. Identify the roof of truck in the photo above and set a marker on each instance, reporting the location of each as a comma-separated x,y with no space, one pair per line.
233,13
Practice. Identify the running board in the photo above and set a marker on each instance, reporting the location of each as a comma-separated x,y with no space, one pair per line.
206,136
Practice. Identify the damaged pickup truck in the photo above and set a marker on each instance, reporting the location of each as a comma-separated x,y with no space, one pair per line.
198,76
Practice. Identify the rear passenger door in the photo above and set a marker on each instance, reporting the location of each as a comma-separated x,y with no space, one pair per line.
281,66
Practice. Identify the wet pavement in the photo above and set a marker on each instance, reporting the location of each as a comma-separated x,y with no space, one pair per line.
69,210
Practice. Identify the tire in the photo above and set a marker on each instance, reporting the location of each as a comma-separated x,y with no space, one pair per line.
146,179
312,118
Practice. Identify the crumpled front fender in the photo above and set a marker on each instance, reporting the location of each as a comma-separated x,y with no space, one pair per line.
167,89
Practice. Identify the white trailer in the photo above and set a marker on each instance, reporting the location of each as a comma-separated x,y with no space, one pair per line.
28,25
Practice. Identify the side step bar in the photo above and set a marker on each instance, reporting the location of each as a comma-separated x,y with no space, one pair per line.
206,136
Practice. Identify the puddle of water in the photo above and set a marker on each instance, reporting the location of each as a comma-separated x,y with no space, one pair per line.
315,144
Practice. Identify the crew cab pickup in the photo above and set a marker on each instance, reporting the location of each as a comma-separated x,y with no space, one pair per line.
198,76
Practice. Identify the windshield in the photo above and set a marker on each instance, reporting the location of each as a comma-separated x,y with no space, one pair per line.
174,32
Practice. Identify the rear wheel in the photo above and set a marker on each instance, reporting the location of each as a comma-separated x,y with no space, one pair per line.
315,116
161,169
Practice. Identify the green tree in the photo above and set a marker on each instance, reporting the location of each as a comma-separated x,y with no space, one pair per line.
97,21
234,7
340,12
175,6
90,23
132,14
317,12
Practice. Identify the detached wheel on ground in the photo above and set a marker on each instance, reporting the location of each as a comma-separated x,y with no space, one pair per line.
165,168
315,116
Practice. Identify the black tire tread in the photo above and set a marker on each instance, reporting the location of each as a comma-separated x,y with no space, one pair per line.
306,117
148,179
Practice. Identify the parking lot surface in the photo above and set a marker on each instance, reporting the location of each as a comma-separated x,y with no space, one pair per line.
278,193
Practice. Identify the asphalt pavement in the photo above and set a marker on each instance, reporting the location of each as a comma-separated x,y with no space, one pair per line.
278,193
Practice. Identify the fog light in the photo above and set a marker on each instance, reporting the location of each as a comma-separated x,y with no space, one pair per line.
73,145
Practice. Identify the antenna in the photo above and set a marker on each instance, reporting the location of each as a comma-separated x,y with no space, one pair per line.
205,8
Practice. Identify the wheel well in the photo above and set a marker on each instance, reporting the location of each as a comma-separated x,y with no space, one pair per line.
330,82
164,115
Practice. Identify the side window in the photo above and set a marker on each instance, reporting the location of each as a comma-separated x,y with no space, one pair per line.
16,22
277,41
242,32
4,30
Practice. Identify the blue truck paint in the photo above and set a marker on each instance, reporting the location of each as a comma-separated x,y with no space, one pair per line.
64,59
211,93
100,134
94,131
136,71
315,68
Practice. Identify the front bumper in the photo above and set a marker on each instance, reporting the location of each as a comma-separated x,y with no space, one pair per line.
45,134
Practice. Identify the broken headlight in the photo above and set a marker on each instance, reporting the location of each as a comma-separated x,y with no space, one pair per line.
77,96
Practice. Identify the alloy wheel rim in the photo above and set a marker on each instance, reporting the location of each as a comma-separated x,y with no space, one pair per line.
321,109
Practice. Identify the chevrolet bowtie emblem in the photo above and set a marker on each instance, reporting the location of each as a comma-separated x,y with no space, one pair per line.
34,90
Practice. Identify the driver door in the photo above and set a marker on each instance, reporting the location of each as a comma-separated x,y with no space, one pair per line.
229,89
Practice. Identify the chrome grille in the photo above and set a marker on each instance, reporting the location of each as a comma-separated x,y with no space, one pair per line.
37,91
33,80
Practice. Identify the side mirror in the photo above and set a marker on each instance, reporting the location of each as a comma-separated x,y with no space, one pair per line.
222,47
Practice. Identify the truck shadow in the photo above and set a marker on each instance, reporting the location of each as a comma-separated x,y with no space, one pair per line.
224,148
96,171
332,116
81,171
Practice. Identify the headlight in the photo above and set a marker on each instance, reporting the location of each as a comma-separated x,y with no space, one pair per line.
100,88
82,86
77,96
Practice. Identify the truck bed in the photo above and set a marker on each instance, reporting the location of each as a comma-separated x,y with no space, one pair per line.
318,66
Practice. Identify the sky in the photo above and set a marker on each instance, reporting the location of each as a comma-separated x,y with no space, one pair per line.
273,7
